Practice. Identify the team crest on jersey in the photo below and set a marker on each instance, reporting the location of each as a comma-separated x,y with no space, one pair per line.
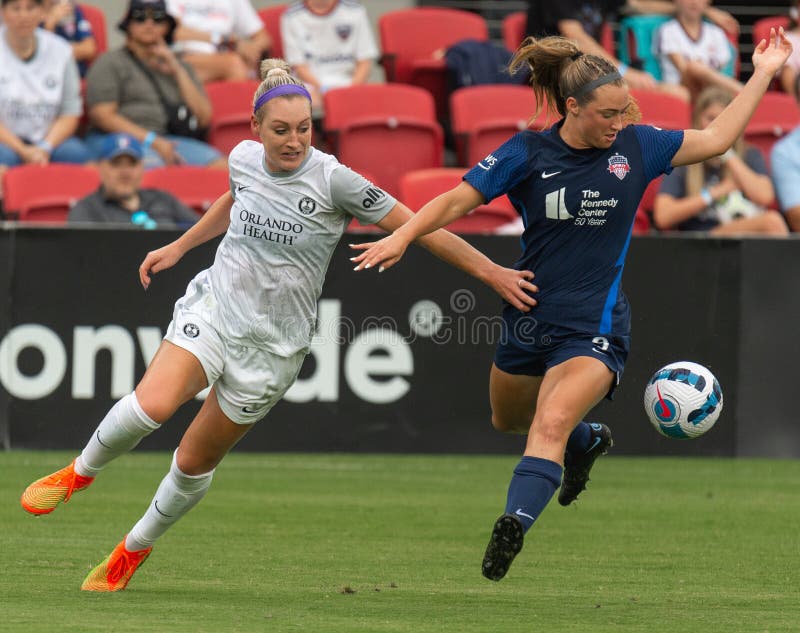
619,166
343,31
306,206
50,82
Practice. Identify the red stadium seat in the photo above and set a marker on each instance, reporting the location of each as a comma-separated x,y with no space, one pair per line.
642,222
385,129
413,42
197,187
231,110
777,114
663,110
418,187
762,26
271,17
45,193
97,18
484,117
513,28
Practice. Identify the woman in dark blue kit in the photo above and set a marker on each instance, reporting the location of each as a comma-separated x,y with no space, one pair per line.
577,186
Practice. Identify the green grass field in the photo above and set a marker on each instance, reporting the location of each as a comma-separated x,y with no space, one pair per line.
345,543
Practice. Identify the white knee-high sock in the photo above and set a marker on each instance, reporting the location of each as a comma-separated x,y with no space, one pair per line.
177,494
123,428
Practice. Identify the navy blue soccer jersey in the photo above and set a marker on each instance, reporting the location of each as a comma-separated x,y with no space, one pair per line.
578,207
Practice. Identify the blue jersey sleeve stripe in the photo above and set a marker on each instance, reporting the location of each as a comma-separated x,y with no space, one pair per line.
613,291
658,149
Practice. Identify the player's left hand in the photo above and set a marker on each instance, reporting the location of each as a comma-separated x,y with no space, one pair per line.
770,56
158,260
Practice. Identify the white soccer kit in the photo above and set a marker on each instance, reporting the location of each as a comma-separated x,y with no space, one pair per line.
34,93
711,48
331,44
225,18
250,317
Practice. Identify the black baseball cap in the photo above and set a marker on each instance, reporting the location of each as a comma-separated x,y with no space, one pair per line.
149,5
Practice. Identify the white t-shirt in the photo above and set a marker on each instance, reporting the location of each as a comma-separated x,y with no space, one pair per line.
794,58
267,276
711,48
331,44
225,18
34,93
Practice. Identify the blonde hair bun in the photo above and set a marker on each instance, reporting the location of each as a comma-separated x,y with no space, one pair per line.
274,67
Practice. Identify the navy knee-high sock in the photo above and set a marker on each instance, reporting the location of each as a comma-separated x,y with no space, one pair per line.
580,438
534,482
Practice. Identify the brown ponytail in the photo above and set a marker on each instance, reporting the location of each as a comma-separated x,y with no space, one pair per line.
559,70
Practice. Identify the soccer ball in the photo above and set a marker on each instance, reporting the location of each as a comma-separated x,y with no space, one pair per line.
683,400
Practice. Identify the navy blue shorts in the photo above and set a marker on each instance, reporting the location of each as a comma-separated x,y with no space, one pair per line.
530,347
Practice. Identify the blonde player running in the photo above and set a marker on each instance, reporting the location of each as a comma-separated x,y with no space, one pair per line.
244,325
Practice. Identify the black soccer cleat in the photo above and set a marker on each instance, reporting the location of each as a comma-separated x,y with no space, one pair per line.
505,544
577,467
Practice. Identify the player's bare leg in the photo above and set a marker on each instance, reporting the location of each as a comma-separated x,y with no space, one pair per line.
567,392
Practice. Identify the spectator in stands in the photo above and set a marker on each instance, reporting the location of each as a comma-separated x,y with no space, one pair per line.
785,163
724,195
582,21
65,18
220,39
120,198
144,90
40,103
693,52
791,69
329,44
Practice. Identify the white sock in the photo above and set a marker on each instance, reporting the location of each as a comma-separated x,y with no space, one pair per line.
177,494
123,428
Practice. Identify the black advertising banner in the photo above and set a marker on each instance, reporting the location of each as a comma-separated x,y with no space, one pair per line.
401,359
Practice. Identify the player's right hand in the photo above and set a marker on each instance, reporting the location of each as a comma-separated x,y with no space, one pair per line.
158,260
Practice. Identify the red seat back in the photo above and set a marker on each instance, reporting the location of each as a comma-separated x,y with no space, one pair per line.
513,29
271,17
97,19
384,129
197,187
231,103
419,187
663,110
777,114
413,42
45,193
484,117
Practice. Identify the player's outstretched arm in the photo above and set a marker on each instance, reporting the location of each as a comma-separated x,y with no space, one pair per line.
512,285
699,145
435,214
214,222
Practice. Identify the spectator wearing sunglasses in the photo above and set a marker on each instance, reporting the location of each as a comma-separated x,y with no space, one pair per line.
221,39
120,198
144,90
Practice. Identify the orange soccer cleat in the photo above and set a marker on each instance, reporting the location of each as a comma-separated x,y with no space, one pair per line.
44,494
114,573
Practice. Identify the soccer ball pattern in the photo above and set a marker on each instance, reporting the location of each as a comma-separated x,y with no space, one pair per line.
683,400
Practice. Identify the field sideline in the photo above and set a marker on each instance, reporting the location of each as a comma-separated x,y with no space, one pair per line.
351,543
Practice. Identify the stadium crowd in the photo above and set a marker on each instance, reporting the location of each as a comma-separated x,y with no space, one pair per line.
173,90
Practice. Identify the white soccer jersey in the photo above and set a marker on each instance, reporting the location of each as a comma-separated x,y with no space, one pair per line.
263,287
34,93
711,48
331,44
225,18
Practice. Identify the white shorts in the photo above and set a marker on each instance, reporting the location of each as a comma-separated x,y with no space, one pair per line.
248,381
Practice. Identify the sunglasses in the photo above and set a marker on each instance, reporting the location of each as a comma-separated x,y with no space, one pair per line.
142,15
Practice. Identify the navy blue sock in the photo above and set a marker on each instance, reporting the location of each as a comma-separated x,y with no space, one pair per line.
531,488
580,438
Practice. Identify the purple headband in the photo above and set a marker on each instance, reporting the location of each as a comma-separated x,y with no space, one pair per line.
279,91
